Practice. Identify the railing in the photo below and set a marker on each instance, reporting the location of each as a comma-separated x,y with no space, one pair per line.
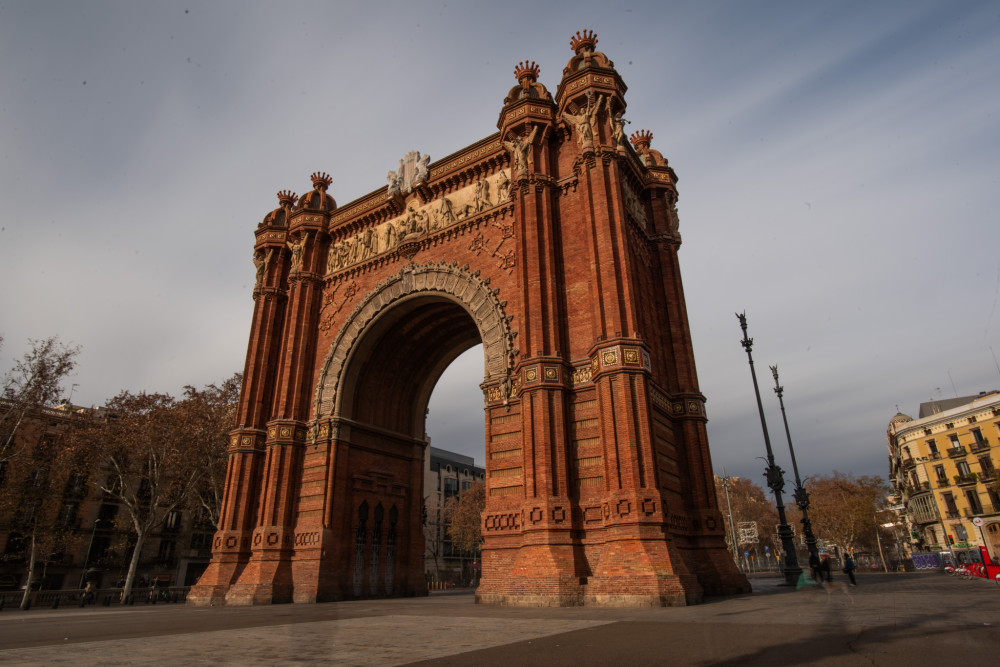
955,452
987,476
104,597
934,456
942,482
909,463
980,445
963,480
952,515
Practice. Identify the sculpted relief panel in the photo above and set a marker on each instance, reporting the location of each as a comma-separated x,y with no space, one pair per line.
419,221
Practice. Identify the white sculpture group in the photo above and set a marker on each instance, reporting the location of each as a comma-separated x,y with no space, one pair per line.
418,221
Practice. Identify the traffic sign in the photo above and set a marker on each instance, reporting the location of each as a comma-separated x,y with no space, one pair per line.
978,521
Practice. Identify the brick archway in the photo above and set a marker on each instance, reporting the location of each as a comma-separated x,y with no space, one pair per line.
419,284
555,244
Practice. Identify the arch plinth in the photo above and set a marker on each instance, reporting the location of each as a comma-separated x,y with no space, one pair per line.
554,244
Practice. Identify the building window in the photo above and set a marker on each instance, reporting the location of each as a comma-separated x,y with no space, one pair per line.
994,499
932,446
949,503
973,497
954,441
68,517
450,487
980,441
172,522
963,469
939,471
166,552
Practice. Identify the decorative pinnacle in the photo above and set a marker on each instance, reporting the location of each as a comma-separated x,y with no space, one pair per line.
641,139
527,70
321,180
286,197
778,389
585,41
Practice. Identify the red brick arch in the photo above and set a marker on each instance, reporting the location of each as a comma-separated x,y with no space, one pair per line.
447,282
555,244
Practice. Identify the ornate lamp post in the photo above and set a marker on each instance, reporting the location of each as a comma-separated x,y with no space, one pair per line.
775,481
801,495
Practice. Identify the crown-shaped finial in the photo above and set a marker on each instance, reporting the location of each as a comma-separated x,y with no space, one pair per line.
286,197
527,70
321,180
641,139
585,40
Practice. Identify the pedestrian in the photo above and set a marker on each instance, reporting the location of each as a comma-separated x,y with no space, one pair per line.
824,568
849,568
814,566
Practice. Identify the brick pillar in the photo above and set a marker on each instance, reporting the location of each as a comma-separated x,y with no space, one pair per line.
267,577
231,547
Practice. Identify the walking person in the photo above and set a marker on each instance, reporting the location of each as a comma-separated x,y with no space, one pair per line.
824,568
849,568
814,567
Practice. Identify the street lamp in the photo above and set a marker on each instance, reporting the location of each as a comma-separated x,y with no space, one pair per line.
801,495
775,481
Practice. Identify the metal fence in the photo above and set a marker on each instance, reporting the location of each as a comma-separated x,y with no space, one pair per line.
104,597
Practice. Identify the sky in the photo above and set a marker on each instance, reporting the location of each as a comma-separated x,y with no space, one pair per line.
838,164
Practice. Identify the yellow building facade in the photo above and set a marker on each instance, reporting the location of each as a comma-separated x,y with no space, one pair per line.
943,465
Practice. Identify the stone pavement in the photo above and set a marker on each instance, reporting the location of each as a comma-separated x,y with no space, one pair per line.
897,619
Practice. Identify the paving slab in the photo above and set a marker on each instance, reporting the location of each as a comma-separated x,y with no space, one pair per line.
902,619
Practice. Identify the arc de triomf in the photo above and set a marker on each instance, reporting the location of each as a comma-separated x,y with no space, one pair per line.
552,242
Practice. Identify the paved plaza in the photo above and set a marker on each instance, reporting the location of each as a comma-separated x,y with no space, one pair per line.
897,619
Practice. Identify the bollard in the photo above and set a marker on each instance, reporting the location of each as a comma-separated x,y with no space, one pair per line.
107,601
55,603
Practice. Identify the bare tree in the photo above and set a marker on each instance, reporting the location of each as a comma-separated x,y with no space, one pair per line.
150,460
750,505
843,509
39,503
465,514
33,383
208,415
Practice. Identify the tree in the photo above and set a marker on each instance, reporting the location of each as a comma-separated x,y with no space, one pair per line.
843,509
750,504
208,415
465,514
151,460
34,382
39,503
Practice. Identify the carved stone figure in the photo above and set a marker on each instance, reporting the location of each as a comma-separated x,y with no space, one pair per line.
446,212
673,220
333,258
503,188
389,236
394,185
413,170
481,198
518,148
262,261
423,170
296,247
585,120
617,122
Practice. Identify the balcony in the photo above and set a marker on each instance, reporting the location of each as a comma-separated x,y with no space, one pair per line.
955,452
972,513
919,487
909,464
988,476
952,514
980,445
965,480
934,456
942,482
